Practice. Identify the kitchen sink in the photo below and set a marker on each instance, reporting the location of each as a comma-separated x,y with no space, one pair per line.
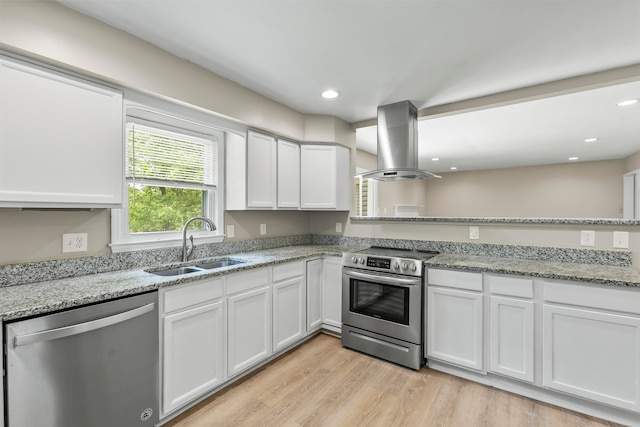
204,266
219,263
176,271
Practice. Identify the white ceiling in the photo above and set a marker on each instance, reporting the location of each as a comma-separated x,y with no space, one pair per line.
430,52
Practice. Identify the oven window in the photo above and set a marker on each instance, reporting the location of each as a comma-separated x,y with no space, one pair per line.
381,301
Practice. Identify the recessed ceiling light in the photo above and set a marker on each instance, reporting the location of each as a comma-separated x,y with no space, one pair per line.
591,140
435,159
573,158
627,103
453,168
330,94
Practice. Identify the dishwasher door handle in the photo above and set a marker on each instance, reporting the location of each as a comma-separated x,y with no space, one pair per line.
80,328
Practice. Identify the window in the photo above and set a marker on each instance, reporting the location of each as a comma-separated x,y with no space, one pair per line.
366,195
172,173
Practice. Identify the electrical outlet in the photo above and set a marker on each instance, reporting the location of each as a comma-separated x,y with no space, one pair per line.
474,232
74,242
230,231
338,227
263,229
588,238
621,239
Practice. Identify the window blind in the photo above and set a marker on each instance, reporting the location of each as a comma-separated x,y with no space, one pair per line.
159,154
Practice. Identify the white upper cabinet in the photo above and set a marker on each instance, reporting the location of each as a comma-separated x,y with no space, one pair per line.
288,175
324,177
61,140
261,171
265,173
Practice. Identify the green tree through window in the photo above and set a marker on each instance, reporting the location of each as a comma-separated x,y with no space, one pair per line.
168,176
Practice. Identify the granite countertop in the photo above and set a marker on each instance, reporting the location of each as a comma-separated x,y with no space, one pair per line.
48,296
589,273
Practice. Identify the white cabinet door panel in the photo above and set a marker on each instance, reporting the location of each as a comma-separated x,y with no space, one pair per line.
314,294
592,354
512,338
289,312
455,327
193,357
249,326
288,174
332,292
261,171
61,140
325,182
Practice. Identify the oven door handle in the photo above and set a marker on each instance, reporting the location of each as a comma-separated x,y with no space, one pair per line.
382,279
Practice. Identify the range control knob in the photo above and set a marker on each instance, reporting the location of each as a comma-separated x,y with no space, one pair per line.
396,265
354,260
413,267
361,260
404,266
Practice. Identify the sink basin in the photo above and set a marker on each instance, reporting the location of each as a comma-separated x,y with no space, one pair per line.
211,265
219,263
176,271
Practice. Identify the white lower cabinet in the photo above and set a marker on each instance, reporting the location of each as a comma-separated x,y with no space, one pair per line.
192,342
289,304
332,293
249,327
455,327
583,338
324,294
511,327
455,318
511,336
593,351
314,294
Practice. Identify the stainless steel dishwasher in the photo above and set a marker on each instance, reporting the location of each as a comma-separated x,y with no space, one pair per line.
92,366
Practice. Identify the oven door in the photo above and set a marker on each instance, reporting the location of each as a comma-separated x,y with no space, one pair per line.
386,304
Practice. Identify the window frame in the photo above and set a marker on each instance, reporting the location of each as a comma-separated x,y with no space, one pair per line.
190,120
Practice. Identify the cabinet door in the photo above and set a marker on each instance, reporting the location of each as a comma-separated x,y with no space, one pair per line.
261,171
592,354
511,336
288,175
249,329
454,326
193,354
61,140
289,312
314,294
332,293
318,177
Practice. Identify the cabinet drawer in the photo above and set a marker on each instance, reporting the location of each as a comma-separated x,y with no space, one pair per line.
191,294
247,280
455,279
613,298
288,270
511,286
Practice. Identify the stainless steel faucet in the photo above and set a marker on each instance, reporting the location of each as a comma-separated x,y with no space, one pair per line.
187,253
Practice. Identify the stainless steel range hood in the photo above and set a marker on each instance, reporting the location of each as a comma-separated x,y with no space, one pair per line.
398,144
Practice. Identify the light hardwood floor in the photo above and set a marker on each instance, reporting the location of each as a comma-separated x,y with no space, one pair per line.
322,384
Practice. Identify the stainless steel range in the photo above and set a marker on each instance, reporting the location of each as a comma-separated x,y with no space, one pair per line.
382,303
